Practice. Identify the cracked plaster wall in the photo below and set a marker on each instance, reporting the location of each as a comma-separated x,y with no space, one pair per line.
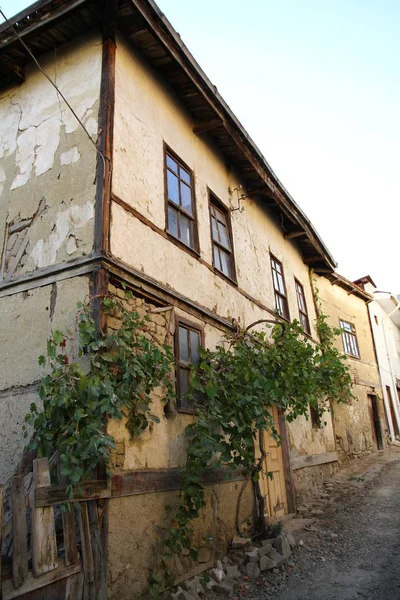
352,422
45,156
26,322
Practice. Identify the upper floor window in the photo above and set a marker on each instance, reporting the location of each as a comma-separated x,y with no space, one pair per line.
180,201
221,239
281,301
301,303
349,339
188,339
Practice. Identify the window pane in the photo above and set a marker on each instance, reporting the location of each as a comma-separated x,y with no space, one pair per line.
171,163
173,190
183,381
281,286
214,229
186,230
224,236
275,280
184,175
172,221
186,198
194,346
183,344
225,263
217,262
279,304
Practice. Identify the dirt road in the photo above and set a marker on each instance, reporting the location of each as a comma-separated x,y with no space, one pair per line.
353,550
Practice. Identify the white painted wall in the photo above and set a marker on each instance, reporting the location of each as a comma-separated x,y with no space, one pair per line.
386,332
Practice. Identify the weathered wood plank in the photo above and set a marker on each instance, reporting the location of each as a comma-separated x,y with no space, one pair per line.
35,583
74,589
55,494
71,551
96,543
131,483
1,532
311,460
20,552
86,543
44,542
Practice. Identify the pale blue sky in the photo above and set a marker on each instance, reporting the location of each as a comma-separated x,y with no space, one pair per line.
316,84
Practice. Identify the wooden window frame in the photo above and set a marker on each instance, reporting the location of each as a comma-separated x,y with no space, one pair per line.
277,292
214,201
299,287
167,151
179,321
351,335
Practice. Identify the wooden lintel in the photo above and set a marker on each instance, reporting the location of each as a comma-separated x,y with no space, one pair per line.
12,70
294,234
204,126
312,460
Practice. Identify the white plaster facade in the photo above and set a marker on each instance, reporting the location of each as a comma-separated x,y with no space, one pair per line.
385,323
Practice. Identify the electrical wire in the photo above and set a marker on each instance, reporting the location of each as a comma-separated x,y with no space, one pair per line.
103,156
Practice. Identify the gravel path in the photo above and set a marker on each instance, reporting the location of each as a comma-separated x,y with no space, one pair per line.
352,551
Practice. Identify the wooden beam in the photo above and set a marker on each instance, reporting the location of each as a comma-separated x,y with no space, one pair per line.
295,234
204,126
56,494
132,483
312,259
312,460
106,131
12,70
36,583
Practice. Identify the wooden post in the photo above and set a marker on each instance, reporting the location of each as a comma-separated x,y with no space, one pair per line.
20,554
87,555
44,542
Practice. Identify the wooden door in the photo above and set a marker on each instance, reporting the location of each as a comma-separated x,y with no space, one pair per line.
375,422
274,488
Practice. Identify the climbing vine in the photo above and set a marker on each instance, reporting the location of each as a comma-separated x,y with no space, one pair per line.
94,377
239,383
91,379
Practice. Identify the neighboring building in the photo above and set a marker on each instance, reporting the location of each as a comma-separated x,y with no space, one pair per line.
154,208
384,314
361,425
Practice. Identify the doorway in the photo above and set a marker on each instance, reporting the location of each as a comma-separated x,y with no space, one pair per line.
375,422
274,488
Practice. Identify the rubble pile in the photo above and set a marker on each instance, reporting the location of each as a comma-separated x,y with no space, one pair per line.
245,562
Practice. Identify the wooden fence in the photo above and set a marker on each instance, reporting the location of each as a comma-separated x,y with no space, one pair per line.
49,552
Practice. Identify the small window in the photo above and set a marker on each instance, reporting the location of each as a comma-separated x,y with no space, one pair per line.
301,303
315,416
349,339
188,340
281,302
221,239
180,201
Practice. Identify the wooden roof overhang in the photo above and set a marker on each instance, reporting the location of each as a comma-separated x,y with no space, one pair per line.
350,286
49,23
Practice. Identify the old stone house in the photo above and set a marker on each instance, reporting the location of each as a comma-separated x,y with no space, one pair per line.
361,425
158,188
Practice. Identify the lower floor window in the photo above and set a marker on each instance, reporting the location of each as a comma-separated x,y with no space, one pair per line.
188,340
